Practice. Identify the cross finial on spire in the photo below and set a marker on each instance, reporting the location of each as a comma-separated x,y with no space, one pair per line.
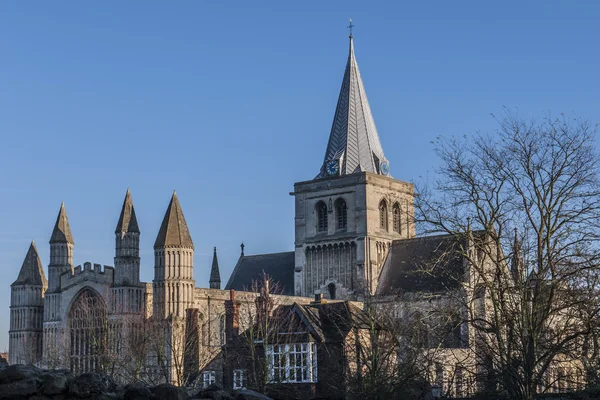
242,246
350,27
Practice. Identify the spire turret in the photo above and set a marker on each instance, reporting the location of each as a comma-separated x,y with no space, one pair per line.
517,264
32,271
353,142
62,230
215,276
127,220
173,230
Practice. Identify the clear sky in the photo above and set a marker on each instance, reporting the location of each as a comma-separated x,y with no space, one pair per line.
230,103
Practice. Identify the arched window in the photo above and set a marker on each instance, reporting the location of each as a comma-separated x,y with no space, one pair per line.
321,209
396,214
331,289
383,215
87,331
341,213
222,329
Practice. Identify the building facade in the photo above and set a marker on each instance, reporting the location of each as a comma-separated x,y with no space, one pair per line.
354,240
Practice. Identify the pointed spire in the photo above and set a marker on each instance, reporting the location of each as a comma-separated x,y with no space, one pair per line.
215,276
353,142
127,220
32,271
62,230
173,230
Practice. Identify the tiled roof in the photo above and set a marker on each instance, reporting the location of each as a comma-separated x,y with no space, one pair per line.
127,220
32,271
353,140
62,230
428,263
174,230
278,266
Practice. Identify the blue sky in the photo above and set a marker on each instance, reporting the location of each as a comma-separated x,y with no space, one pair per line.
230,103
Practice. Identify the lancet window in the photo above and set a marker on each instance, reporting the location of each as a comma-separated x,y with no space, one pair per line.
321,209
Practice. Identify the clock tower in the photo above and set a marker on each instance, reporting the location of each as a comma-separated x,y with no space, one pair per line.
348,215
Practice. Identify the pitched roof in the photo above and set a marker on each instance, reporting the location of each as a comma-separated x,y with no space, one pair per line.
353,140
332,320
127,220
428,263
173,230
62,230
215,276
32,271
279,266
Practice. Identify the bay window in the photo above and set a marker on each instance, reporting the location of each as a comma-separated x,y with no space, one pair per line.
292,363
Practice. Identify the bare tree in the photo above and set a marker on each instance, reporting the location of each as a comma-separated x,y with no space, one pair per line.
531,195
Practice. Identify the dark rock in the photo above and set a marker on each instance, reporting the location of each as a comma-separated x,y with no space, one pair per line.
137,391
169,392
214,392
19,389
245,394
91,384
18,372
55,382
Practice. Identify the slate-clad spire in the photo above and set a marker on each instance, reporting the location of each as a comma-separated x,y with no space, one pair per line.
62,230
215,276
127,220
173,230
353,141
32,271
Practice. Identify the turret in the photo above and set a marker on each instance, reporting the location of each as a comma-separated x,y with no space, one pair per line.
215,276
127,292
127,245
26,310
173,265
61,250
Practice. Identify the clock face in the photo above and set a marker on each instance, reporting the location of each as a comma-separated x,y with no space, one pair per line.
332,167
385,168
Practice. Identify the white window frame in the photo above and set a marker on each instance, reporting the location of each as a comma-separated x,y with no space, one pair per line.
286,361
208,378
239,378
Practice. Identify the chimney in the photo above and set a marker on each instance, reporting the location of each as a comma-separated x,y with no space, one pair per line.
232,317
318,298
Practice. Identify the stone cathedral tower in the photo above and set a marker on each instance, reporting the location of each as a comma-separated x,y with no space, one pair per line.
27,311
127,293
173,265
349,214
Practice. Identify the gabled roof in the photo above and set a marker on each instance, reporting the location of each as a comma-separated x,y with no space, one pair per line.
62,230
424,264
215,276
127,220
278,266
331,320
32,271
353,140
174,230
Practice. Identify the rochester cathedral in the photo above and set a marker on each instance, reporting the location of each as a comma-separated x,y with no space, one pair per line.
354,239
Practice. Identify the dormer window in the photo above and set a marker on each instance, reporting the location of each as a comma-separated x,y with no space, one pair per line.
321,210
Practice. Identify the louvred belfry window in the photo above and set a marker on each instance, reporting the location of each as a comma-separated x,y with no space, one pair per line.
341,213
383,215
321,217
396,214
